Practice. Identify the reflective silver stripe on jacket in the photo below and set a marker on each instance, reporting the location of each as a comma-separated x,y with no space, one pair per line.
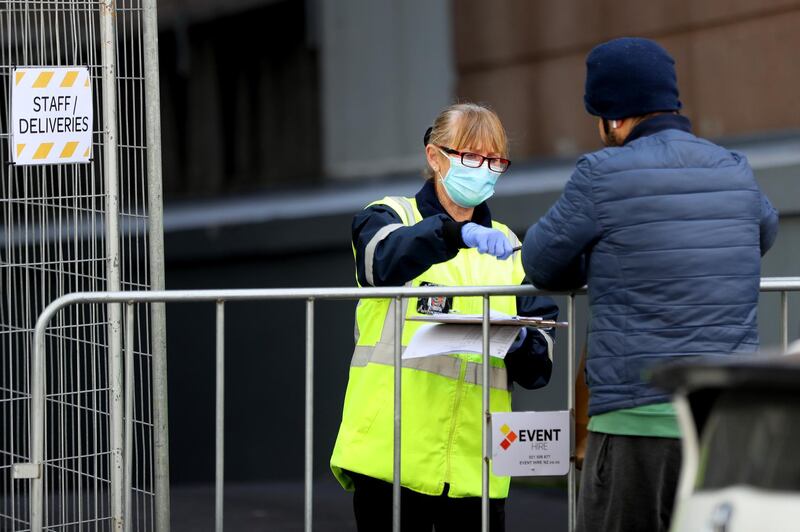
444,365
356,332
383,232
498,377
369,253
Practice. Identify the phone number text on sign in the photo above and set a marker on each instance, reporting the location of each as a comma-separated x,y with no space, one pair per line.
51,115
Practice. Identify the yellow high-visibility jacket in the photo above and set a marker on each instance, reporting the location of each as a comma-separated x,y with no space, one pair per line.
441,395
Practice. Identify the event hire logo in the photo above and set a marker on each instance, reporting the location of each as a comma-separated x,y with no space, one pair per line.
510,437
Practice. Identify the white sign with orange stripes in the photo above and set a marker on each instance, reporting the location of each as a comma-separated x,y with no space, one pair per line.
51,115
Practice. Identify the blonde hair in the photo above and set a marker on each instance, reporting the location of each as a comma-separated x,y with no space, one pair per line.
467,125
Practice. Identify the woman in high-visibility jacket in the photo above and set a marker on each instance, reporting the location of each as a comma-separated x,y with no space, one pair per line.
443,236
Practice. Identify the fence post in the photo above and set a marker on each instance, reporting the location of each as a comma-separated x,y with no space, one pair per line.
571,480
155,240
110,155
487,420
129,398
398,370
784,320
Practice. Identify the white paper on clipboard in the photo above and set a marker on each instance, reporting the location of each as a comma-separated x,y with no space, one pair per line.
445,339
495,318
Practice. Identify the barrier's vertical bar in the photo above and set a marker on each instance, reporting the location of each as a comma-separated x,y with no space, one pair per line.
398,364
155,241
571,477
129,399
117,411
220,436
309,487
785,320
37,422
108,19
487,420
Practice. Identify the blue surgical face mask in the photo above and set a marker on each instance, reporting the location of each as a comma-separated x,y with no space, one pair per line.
468,187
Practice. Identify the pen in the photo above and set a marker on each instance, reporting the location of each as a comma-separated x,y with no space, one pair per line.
516,249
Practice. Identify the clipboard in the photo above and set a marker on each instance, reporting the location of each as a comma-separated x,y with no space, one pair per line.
477,319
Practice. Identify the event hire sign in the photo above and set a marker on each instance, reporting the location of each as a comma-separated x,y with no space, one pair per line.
531,443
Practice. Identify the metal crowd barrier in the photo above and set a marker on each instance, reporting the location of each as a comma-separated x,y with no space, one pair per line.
121,372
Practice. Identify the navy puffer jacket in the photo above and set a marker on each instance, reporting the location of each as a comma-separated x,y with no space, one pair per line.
668,232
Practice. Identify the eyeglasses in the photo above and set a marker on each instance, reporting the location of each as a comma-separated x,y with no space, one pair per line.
475,160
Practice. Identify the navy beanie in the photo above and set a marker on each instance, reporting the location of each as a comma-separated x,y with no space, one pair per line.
630,77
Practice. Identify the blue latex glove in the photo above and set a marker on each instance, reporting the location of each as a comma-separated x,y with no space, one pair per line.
487,240
523,333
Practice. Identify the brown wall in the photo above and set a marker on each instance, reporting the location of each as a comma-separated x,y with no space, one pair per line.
738,63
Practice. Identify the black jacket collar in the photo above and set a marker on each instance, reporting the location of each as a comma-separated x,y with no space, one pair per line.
429,205
659,123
